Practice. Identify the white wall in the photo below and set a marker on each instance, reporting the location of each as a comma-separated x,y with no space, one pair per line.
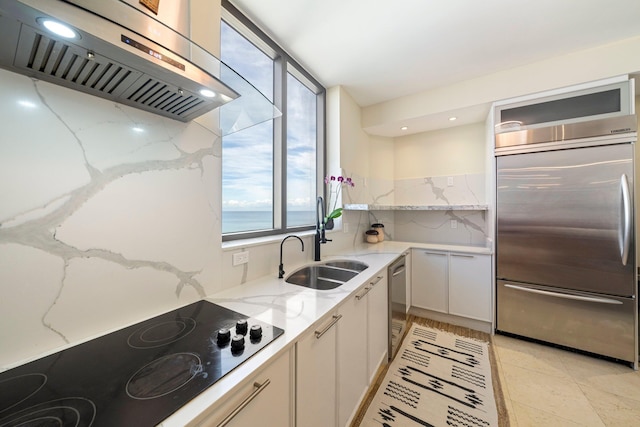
452,151
368,161
578,67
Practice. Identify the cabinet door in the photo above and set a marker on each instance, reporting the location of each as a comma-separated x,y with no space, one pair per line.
470,286
429,280
378,324
265,401
408,262
316,376
352,355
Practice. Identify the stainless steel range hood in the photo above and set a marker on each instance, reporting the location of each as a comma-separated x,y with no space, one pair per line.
130,53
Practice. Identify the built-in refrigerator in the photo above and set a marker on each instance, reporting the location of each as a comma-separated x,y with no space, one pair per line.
565,247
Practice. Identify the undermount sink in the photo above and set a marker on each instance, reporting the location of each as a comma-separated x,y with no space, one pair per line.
322,276
348,265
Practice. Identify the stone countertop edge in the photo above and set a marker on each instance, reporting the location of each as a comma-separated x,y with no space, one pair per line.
295,309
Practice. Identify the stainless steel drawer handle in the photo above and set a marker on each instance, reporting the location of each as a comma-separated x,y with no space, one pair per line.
366,291
259,387
565,296
463,256
376,280
336,317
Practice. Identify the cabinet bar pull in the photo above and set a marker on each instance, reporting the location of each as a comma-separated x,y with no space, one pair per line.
366,291
376,280
259,387
562,295
336,317
463,256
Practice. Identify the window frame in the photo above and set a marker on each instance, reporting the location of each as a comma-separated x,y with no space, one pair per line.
284,64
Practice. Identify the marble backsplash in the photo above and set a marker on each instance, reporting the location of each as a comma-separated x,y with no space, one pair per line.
468,189
411,221
109,215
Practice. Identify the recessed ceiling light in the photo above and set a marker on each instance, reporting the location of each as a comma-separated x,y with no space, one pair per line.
404,128
59,29
452,118
138,129
208,93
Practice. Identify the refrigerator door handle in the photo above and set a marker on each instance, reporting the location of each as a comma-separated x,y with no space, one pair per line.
565,296
624,232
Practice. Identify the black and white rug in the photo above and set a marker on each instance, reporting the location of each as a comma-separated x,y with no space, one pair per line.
436,379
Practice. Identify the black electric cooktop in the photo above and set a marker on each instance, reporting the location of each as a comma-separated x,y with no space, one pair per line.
136,376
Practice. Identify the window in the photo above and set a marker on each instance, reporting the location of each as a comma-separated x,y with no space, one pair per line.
271,172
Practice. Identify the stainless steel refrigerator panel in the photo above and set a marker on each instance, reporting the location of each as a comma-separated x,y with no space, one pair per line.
565,219
601,325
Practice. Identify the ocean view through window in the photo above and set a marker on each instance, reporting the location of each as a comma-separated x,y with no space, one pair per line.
271,172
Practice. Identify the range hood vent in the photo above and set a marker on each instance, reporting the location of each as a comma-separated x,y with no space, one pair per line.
121,63
63,63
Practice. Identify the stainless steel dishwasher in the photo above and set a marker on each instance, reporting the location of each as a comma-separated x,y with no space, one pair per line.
397,303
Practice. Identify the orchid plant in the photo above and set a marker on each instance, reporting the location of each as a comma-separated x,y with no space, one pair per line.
335,187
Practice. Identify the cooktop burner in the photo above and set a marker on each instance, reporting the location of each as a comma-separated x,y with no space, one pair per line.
136,376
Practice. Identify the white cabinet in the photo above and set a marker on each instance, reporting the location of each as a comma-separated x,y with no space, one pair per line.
316,380
452,283
470,286
266,400
334,362
352,355
377,324
429,280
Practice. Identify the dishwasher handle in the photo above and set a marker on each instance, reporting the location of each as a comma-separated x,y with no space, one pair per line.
398,270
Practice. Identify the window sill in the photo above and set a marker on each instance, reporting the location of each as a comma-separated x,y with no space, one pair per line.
260,241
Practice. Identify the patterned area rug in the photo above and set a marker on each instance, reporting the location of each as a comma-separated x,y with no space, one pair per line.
436,379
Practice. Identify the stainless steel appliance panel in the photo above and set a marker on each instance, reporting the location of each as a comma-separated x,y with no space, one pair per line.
599,325
397,303
565,219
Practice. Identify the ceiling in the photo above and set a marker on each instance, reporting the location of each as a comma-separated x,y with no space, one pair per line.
408,46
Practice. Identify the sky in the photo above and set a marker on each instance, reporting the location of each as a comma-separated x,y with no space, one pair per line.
247,157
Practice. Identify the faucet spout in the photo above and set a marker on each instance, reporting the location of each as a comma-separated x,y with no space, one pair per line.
320,229
281,266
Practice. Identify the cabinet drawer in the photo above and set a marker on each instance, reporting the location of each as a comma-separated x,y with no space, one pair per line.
265,401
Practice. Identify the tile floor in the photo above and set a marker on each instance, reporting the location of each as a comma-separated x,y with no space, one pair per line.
545,386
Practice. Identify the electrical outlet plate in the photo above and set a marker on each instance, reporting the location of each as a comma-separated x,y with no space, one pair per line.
450,181
454,223
241,258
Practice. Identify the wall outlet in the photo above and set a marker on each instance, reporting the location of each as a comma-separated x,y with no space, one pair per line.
454,223
345,227
450,181
241,258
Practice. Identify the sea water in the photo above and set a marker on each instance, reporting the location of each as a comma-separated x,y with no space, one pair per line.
237,221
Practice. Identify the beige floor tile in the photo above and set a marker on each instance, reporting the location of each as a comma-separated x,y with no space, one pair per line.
529,355
505,391
604,375
558,396
614,410
513,420
533,417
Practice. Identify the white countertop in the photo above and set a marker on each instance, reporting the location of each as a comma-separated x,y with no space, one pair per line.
295,309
